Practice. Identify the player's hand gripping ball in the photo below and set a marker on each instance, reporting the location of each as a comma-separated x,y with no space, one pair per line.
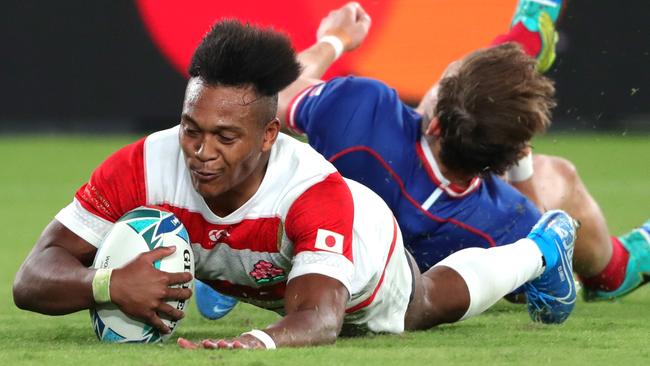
138,231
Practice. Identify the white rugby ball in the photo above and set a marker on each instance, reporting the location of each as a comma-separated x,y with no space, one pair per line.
138,231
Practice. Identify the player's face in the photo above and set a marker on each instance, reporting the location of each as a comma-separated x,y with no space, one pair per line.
225,134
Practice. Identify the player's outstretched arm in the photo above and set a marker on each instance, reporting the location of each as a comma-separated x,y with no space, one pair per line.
55,279
314,306
342,30
350,24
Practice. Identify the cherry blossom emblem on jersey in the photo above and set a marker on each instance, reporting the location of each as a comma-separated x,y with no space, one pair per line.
265,272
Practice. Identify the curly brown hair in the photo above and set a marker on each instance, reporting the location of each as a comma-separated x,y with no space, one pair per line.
490,109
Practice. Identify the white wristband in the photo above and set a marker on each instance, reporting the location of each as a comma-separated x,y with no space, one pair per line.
522,170
101,285
263,337
335,42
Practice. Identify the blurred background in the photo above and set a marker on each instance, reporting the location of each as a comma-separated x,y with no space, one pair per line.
119,66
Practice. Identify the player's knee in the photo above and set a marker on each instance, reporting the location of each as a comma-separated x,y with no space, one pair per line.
441,297
564,169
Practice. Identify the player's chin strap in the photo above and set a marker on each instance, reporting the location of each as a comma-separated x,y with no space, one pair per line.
101,285
263,337
522,170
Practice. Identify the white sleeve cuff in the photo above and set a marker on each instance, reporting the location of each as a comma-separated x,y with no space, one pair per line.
80,221
336,44
522,170
330,265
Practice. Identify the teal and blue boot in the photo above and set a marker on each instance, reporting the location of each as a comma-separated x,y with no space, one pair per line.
637,244
540,16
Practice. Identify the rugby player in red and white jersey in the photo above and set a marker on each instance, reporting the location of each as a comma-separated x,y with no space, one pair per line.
271,221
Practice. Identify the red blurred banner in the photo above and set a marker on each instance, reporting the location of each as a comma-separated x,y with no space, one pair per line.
410,41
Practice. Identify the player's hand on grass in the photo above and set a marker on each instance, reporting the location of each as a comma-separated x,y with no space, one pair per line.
141,291
241,342
350,23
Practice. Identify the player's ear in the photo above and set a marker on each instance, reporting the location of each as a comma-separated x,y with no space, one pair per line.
271,131
433,129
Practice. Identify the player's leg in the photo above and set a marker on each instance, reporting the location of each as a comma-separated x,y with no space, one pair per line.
559,186
533,27
471,280
608,266
636,244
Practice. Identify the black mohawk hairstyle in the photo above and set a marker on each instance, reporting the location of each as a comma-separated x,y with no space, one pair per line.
236,54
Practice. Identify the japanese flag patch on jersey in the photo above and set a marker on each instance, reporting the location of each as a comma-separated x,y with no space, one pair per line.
329,241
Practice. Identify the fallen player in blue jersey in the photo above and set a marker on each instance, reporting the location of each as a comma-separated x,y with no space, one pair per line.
438,166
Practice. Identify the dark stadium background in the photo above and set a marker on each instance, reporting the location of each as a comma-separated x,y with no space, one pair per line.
91,66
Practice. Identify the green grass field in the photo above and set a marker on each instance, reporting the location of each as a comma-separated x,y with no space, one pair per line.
42,173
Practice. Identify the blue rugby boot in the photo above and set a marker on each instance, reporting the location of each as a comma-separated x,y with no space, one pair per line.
540,16
637,273
551,297
211,304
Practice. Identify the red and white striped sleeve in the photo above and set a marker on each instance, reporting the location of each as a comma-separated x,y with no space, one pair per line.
320,225
114,188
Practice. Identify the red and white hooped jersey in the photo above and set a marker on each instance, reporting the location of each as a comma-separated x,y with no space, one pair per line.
304,218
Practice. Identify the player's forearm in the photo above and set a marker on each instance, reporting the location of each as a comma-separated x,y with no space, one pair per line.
53,282
316,59
306,328
342,30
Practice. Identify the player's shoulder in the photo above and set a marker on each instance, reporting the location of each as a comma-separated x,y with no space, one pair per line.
162,148
118,184
166,174
374,106
150,167
163,143
297,161
346,91
134,153
300,168
294,167
126,160
360,87
365,198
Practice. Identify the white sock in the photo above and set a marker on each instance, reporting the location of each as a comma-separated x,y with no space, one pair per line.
493,273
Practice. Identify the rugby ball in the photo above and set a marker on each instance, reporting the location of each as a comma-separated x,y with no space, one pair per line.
138,231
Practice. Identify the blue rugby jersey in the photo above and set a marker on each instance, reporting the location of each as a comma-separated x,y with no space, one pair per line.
372,137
